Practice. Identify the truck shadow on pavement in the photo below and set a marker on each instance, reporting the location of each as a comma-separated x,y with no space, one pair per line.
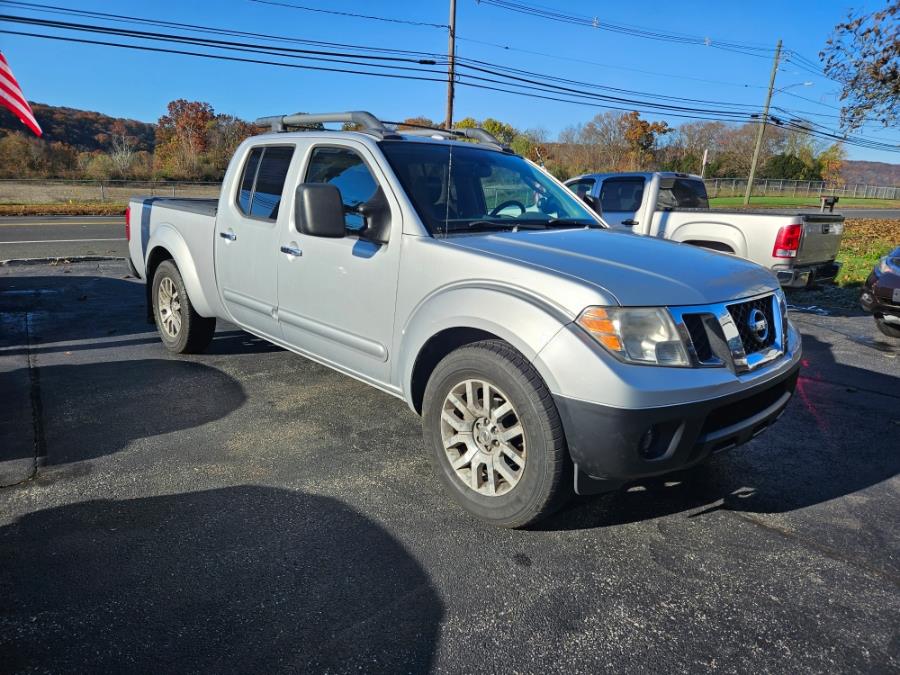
90,410
239,579
838,436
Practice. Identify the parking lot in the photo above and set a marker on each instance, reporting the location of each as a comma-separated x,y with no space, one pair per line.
247,509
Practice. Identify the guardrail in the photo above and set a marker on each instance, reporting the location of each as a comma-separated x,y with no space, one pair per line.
776,187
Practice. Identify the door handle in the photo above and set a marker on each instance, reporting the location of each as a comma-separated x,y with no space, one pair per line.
230,236
631,222
290,250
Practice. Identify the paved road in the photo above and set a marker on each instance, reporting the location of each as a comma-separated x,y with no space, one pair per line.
877,214
60,236
249,510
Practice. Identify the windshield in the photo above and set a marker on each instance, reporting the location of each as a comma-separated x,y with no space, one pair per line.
459,189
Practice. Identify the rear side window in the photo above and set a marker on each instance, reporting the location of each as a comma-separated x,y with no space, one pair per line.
262,182
347,171
621,194
682,193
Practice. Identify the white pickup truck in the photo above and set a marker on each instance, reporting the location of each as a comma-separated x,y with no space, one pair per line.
544,352
799,248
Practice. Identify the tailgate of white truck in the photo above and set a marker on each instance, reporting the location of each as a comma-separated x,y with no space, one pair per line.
822,234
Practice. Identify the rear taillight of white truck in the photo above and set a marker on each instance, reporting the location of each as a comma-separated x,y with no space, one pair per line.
128,223
787,242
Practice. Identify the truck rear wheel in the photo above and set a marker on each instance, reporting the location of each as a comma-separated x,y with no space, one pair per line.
494,435
182,330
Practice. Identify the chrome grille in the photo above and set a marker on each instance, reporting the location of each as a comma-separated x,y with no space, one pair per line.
723,333
742,312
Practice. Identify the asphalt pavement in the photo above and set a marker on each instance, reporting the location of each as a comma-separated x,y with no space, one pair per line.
62,236
249,510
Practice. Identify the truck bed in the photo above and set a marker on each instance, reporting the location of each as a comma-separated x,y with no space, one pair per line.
202,206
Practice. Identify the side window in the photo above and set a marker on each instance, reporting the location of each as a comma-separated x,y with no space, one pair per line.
682,193
621,194
347,171
247,180
262,184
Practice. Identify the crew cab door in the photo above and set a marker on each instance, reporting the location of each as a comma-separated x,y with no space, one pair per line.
337,294
247,234
620,199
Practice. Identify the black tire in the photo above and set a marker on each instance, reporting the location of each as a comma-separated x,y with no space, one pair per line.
891,330
545,481
195,332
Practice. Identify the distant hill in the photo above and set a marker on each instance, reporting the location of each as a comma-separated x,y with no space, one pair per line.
873,173
83,129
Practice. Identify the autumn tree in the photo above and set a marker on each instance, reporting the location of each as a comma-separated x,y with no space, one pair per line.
123,147
182,136
414,122
832,163
641,136
863,54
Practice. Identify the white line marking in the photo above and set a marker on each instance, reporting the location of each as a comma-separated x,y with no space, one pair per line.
56,241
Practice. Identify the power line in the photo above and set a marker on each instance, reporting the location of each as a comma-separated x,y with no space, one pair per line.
354,15
482,75
122,18
570,59
634,31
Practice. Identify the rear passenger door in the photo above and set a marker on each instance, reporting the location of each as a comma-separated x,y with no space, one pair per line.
620,199
247,236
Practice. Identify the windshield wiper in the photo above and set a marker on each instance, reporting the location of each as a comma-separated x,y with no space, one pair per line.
497,226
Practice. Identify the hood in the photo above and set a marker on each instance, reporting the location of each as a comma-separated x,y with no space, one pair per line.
636,270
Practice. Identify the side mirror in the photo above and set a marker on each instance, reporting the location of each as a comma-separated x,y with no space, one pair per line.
377,214
318,210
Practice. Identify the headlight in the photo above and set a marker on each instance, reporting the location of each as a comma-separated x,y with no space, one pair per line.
636,334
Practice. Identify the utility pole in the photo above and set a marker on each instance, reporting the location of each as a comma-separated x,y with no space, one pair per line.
451,66
762,125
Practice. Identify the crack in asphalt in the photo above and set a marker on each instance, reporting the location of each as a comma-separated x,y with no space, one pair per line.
827,551
37,406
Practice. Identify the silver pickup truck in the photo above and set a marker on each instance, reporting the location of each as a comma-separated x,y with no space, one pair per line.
544,352
800,248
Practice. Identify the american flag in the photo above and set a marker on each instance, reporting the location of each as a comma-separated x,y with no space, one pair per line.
12,97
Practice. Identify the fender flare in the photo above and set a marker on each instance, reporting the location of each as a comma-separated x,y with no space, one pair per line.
483,305
165,236
722,233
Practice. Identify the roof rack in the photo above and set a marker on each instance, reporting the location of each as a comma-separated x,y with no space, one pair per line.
479,135
370,124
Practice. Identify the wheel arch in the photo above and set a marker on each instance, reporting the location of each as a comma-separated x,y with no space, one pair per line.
168,244
714,236
438,328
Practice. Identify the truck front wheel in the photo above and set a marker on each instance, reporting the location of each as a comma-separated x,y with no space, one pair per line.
182,330
494,435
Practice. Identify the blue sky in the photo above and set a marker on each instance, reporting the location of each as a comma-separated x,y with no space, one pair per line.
138,85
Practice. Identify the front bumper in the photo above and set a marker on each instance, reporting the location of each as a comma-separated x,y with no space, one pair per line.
611,446
806,275
877,296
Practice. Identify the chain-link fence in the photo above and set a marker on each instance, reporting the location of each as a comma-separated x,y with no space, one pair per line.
776,187
42,191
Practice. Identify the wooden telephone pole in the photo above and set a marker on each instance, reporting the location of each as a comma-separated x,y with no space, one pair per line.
451,66
762,125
